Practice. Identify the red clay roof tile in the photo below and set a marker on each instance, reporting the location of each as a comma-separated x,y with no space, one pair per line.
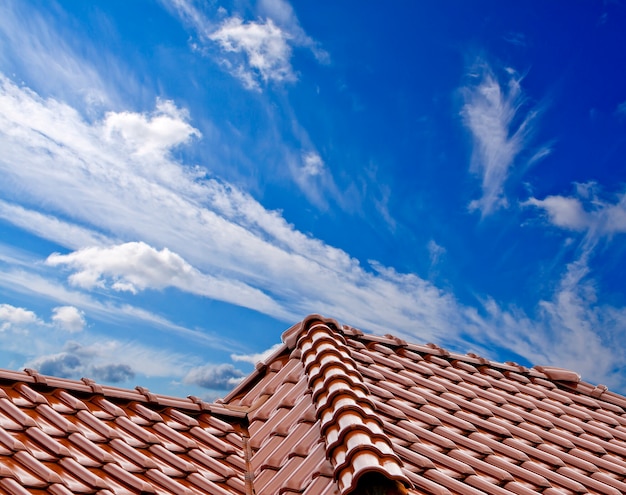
331,409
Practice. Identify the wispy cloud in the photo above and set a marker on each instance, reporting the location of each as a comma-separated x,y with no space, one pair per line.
258,51
256,357
586,211
572,329
496,114
84,174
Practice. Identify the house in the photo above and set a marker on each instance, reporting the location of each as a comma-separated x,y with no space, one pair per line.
333,411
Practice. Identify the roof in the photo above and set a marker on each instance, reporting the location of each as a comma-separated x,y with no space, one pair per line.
333,411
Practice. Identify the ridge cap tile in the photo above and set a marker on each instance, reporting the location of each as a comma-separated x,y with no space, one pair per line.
356,449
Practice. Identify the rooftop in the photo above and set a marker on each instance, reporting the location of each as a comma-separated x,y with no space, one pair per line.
333,411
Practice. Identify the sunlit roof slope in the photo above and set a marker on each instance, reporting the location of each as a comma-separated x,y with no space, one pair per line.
333,411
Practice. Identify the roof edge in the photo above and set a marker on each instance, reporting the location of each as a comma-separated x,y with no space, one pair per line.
138,394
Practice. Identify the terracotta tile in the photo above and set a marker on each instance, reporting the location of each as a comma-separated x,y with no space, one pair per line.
588,482
500,448
12,487
486,486
428,436
547,435
520,488
578,441
609,480
520,472
483,424
128,479
85,475
427,486
500,475
610,464
443,460
219,470
554,477
466,442
15,414
448,419
569,459
450,483
464,423
47,442
48,413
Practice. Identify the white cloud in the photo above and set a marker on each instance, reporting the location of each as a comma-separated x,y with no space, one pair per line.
214,376
313,164
213,229
50,227
68,318
12,318
34,286
265,47
154,135
494,114
257,357
283,15
572,329
585,212
135,266
254,51
435,251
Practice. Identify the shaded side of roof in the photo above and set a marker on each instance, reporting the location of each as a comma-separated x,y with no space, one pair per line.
63,437
455,424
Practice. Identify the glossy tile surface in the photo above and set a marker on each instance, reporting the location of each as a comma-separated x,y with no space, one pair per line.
62,436
452,424
329,411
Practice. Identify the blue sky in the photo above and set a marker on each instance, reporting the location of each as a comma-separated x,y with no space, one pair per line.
182,180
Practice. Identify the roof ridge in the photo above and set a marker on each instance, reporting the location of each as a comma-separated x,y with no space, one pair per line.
564,377
355,441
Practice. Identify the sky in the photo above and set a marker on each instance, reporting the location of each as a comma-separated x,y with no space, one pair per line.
183,180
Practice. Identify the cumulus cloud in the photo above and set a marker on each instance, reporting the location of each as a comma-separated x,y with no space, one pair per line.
496,116
12,318
264,46
255,51
214,376
63,365
68,318
113,373
150,135
108,360
136,266
586,211
74,365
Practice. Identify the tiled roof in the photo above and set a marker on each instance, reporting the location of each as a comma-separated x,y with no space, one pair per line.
334,404
64,437
333,411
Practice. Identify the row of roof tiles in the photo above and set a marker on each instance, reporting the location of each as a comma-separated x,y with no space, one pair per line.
333,411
